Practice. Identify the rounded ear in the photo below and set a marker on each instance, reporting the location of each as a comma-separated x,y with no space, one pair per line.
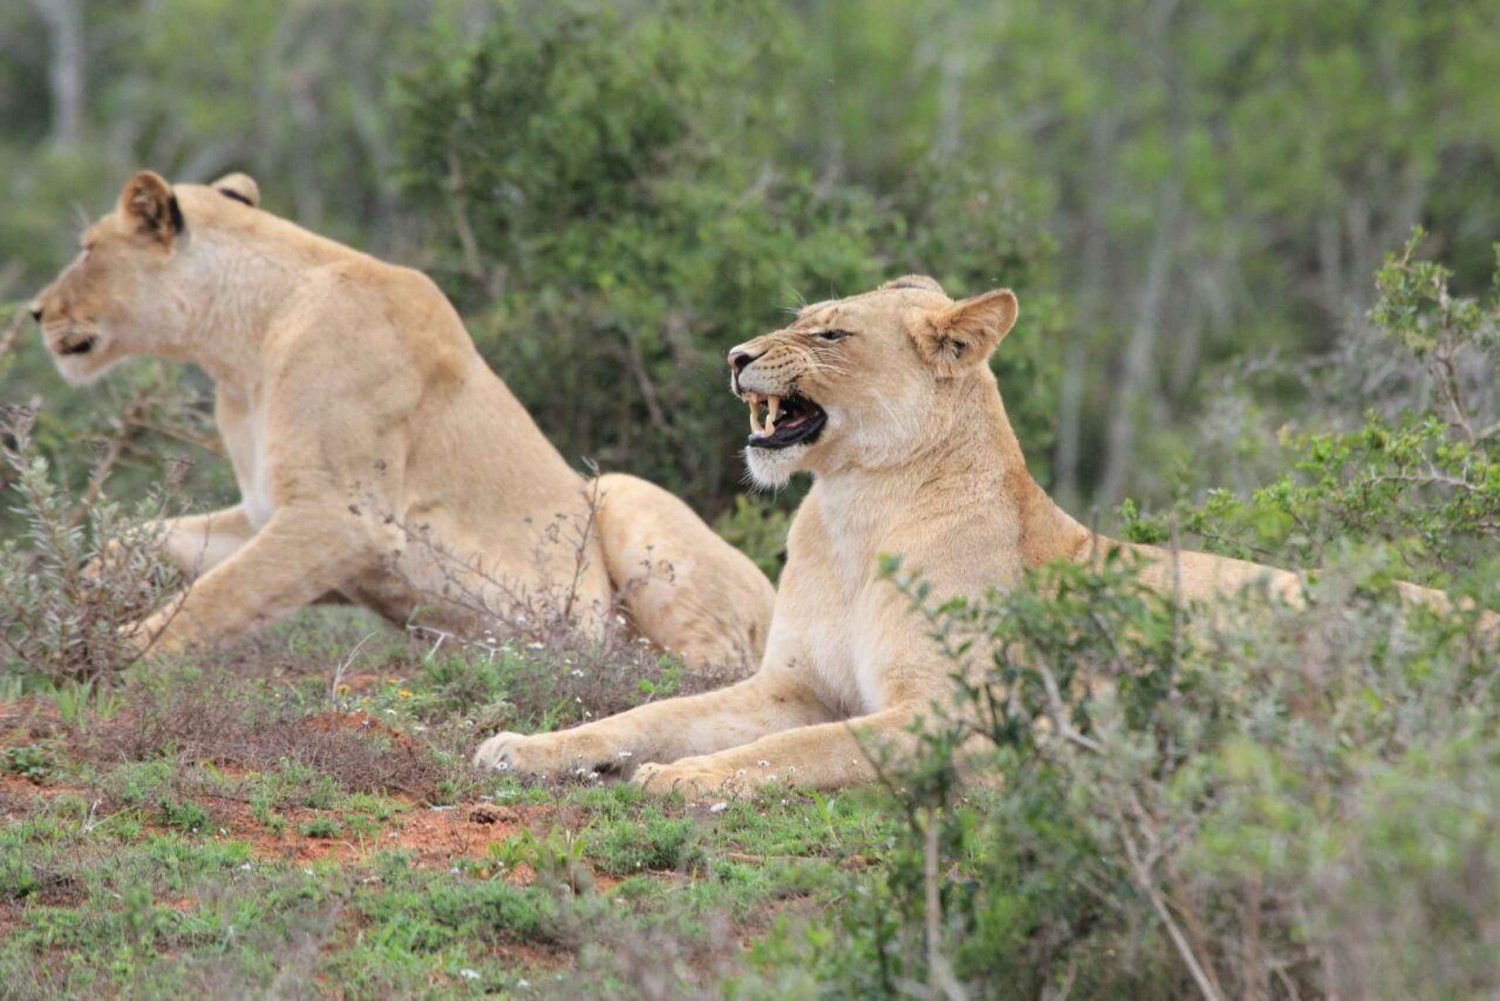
965,333
240,187
148,202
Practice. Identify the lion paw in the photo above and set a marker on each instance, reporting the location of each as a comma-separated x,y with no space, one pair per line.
694,781
150,636
499,752
545,754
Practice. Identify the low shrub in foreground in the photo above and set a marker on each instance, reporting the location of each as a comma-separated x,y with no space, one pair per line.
1269,803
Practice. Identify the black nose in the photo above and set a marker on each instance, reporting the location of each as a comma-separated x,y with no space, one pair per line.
36,312
739,359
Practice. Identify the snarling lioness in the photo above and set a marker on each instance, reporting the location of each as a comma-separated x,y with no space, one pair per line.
353,406
888,400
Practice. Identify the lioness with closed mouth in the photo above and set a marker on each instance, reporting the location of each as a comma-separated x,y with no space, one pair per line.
887,398
353,405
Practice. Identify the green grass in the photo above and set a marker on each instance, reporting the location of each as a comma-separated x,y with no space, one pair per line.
162,848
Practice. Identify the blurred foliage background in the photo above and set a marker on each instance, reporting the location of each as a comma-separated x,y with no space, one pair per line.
1191,199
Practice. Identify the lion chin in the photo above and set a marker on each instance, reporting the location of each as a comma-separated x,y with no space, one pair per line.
773,469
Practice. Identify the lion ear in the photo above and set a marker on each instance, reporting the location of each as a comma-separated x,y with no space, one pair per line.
240,187
965,333
148,202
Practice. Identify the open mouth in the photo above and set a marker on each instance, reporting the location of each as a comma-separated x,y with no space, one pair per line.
82,346
788,420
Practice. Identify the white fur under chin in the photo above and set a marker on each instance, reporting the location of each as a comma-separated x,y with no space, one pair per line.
82,371
772,468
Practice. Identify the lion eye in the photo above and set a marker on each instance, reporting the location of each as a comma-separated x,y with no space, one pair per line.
832,335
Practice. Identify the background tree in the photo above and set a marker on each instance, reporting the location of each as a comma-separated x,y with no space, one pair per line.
1191,197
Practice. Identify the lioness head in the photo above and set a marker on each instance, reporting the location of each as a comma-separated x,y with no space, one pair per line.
125,287
866,381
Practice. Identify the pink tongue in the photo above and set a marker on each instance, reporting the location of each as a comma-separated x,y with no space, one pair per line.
791,424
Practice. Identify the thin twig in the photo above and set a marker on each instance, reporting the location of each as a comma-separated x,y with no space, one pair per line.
643,379
339,672
206,442
1142,873
124,430
12,332
944,982
1060,710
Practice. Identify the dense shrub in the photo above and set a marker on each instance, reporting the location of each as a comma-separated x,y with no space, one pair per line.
619,209
79,575
1423,483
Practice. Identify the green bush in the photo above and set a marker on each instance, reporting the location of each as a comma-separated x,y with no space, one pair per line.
626,204
1423,485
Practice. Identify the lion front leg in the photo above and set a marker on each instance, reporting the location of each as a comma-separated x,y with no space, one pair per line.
824,756
193,544
197,543
661,731
299,555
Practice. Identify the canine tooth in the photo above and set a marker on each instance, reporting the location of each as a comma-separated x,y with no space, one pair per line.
773,410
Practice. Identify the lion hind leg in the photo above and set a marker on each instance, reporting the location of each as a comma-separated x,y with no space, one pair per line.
702,724
822,756
686,589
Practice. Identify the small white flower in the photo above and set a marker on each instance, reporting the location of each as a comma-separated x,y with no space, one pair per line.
469,974
537,646
245,868
576,673
764,763
624,754
718,807
307,872
454,870
523,983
